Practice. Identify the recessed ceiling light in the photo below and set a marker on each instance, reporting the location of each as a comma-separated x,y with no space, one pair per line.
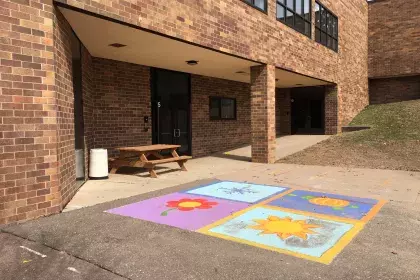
242,73
117,45
192,62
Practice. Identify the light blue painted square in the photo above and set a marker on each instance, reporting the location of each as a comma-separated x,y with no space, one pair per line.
315,245
236,191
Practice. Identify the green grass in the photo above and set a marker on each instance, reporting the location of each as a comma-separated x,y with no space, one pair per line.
388,122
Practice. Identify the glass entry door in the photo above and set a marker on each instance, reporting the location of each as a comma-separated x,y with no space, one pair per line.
171,109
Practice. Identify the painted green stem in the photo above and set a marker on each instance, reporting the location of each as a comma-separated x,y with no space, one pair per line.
165,213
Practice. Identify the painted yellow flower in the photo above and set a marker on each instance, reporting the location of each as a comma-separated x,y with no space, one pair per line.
331,202
284,228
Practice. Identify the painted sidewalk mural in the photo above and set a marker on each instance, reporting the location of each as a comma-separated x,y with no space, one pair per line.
311,225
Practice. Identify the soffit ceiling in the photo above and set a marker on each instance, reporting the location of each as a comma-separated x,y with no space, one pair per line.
153,50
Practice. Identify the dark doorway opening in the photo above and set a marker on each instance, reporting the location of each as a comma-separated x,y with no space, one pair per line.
308,110
171,109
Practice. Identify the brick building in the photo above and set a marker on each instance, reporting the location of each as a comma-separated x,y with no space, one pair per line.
394,52
209,75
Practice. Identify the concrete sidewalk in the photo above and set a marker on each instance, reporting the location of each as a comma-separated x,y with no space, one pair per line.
402,186
393,185
285,145
138,181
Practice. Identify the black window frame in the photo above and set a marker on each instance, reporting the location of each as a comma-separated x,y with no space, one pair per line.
328,32
296,14
219,99
252,4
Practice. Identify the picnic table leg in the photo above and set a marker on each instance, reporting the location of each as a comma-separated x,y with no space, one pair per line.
117,163
180,163
152,172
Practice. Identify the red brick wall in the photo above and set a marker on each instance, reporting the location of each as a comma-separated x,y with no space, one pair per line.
120,100
230,26
235,27
65,109
283,112
394,40
210,136
352,89
28,124
394,57
394,89
331,114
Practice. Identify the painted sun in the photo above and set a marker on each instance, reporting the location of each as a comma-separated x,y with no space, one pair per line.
285,227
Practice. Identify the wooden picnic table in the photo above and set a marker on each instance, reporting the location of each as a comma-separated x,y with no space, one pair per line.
140,157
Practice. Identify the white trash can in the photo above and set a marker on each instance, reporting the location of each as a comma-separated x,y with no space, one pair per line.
98,164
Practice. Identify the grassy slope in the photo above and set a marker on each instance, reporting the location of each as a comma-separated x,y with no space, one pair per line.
393,142
389,122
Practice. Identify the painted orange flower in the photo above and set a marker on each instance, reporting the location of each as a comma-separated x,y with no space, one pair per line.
188,204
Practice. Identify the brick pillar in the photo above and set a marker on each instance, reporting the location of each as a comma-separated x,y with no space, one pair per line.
263,115
331,110
29,184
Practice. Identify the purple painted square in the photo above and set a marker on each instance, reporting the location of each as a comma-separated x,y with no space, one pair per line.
159,211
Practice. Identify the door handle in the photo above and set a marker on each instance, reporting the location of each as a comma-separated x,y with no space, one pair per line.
174,133
177,133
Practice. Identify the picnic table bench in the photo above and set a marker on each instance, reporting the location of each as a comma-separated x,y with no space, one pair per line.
140,157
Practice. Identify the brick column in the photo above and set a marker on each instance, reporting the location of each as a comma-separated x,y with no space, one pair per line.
29,183
331,110
263,115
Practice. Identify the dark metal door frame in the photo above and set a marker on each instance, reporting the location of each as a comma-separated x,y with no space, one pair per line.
155,108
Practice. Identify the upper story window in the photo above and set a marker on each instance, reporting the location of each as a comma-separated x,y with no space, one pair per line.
326,27
259,4
296,14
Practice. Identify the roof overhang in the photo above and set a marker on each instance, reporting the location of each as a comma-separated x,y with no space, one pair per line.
155,50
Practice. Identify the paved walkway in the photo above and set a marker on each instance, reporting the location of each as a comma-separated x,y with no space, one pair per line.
138,182
285,145
399,186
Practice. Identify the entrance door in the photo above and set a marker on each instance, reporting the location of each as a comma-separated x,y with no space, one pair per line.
308,110
317,115
171,109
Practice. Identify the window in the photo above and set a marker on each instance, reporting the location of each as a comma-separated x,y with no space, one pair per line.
326,27
222,108
296,14
259,4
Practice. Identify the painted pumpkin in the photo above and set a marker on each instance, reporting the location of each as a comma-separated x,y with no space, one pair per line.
331,202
